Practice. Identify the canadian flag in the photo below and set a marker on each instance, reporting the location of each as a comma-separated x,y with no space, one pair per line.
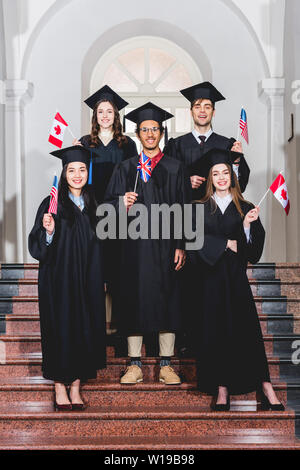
279,189
58,128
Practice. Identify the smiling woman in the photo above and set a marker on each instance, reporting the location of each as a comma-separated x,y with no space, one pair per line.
71,285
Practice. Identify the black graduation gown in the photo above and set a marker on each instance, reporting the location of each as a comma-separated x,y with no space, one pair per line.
186,149
71,296
148,289
105,157
229,346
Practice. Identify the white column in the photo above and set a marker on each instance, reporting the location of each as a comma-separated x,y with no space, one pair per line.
17,92
273,89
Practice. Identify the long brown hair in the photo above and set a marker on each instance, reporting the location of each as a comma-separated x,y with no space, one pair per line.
235,191
117,126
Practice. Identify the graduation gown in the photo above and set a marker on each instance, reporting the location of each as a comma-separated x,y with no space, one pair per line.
186,149
71,295
148,288
229,346
105,157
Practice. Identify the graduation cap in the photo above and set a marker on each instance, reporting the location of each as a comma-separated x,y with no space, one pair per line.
202,90
106,93
76,153
215,157
149,112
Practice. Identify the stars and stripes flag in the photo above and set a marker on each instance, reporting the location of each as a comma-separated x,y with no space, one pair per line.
144,167
58,128
244,125
279,189
53,197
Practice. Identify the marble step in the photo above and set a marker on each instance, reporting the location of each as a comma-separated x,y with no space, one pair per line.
251,439
29,364
111,393
276,287
194,420
14,344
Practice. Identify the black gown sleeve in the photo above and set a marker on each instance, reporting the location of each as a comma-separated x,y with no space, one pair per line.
184,197
172,150
244,172
116,186
37,238
253,249
213,247
130,149
256,245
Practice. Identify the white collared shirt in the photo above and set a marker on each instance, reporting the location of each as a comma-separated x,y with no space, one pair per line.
197,133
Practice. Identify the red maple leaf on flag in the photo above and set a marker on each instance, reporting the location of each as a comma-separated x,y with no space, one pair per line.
57,130
284,194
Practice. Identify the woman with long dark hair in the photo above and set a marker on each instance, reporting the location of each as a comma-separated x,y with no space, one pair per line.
110,146
229,346
71,283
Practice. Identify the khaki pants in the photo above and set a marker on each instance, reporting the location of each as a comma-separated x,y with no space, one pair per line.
166,345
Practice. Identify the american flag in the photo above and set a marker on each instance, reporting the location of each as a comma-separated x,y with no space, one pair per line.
144,167
243,125
53,197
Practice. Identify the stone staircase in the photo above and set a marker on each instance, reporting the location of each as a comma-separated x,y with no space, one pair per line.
149,415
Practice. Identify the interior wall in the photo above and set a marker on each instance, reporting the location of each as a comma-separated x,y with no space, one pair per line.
292,106
2,129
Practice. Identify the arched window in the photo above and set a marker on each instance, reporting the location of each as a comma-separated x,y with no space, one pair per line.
149,69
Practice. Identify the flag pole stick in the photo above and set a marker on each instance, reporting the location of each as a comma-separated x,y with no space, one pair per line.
136,181
68,127
238,133
263,198
71,132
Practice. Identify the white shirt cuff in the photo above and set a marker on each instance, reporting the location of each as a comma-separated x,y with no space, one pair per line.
49,238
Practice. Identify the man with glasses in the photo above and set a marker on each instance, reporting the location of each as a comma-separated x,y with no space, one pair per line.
149,294
191,147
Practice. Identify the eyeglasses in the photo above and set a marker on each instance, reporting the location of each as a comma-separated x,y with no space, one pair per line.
148,129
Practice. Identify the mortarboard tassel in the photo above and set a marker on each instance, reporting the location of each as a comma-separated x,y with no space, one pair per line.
166,135
91,169
166,138
124,121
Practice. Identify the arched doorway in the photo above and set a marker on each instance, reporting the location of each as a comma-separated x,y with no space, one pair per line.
145,69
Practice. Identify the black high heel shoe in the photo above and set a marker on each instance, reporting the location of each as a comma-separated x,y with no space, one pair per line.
266,405
64,407
221,406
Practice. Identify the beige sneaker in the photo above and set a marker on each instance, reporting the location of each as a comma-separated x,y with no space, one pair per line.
168,376
133,375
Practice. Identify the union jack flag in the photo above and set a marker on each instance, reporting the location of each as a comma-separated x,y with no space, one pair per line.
53,197
243,125
144,167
